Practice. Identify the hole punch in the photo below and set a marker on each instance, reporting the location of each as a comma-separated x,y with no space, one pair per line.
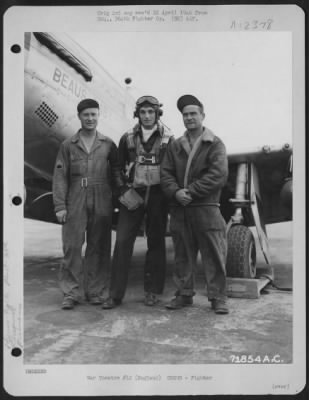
15,48
16,352
16,200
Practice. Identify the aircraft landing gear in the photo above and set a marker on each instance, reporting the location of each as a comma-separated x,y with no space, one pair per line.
241,256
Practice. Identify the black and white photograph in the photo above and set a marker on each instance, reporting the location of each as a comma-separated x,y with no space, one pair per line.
154,200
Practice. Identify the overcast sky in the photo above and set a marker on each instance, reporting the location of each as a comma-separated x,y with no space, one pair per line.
244,79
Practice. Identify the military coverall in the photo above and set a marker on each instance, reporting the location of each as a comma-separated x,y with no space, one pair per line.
82,185
199,225
129,224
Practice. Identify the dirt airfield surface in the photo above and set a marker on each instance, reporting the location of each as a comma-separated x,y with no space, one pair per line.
135,334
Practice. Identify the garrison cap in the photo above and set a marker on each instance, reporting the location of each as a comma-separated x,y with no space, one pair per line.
187,100
87,103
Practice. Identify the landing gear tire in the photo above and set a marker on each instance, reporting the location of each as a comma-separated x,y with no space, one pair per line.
241,256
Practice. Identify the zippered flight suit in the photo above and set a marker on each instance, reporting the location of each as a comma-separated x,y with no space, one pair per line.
83,184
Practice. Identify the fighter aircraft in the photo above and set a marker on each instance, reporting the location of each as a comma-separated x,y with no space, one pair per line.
59,73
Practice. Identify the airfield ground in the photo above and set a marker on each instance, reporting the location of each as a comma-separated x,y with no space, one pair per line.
136,334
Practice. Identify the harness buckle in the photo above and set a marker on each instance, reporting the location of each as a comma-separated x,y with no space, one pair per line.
84,182
142,159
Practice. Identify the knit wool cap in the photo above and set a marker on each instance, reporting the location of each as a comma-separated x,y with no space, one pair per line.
87,103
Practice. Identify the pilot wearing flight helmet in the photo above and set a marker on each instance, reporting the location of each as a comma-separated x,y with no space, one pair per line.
86,172
140,153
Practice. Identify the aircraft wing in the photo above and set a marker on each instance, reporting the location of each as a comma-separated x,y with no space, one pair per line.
269,170
261,154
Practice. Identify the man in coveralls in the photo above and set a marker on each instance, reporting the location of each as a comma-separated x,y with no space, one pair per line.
82,193
196,221
140,153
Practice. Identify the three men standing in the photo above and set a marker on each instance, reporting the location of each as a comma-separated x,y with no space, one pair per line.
140,152
86,170
149,170
194,194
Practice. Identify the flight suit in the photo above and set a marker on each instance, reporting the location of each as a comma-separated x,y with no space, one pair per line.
198,225
129,223
82,184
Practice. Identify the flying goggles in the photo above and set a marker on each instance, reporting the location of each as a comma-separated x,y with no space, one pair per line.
148,99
